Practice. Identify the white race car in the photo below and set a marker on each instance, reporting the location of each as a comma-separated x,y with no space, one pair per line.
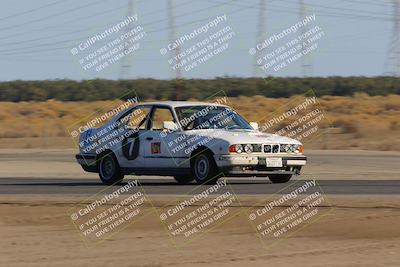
189,141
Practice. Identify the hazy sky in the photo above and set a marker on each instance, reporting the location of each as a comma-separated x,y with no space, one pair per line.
36,37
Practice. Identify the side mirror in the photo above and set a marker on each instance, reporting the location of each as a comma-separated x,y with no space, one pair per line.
170,126
254,125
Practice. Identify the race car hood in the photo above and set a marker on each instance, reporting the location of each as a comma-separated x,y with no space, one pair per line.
243,136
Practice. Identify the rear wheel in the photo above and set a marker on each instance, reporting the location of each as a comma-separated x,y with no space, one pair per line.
109,170
279,178
183,179
205,169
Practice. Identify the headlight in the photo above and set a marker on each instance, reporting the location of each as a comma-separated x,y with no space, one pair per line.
298,148
295,148
239,148
284,148
248,148
289,148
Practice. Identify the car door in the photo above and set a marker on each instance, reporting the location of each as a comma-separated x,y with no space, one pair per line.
157,150
132,126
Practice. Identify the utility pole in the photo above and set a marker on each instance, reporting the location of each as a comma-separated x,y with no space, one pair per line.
392,64
172,38
126,61
306,60
261,30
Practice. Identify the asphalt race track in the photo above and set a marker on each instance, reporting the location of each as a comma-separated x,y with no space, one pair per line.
55,172
242,186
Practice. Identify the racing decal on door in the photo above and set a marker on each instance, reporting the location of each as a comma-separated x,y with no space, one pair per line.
130,146
156,148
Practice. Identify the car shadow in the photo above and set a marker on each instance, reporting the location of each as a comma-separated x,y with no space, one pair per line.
172,183
142,182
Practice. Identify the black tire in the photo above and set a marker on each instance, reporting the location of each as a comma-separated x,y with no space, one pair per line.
279,178
109,170
204,169
184,179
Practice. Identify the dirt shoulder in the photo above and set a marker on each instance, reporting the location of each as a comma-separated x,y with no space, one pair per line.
356,231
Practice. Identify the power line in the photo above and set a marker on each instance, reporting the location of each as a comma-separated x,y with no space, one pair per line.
341,9
291,10
51,16
31,10
53,26
73,20
368,3
66,47
85,37
144,25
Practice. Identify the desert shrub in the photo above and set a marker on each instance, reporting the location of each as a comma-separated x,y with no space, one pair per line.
347,126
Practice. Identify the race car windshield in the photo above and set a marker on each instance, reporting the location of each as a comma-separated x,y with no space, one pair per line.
210,117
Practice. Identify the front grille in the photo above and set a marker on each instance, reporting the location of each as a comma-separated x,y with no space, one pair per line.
267,149
271,149
257,148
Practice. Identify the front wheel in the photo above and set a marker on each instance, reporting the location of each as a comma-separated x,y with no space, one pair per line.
279,178
109,170
204,169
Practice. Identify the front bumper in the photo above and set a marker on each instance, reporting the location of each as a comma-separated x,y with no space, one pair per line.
87,162
245,165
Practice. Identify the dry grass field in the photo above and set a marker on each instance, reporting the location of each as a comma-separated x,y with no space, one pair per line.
357,122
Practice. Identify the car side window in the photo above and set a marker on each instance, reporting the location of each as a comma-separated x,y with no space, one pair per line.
160,114
136,119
